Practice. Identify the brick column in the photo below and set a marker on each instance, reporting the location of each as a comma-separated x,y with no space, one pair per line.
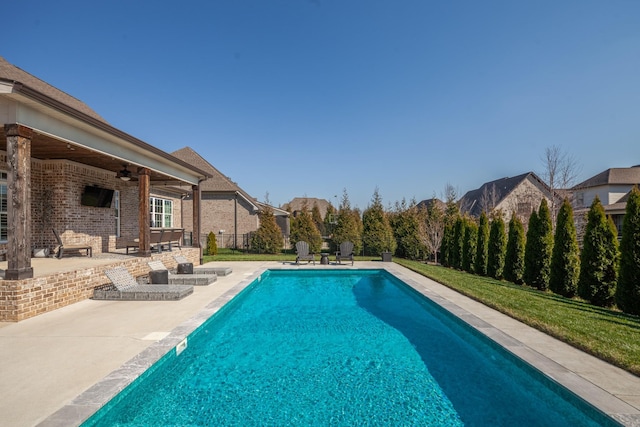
144,183
19,202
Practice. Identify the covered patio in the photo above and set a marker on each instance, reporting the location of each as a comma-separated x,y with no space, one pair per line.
55,150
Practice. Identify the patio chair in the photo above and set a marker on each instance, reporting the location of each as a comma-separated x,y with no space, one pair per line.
184,279
125,288
219,271
76,248
174,238
345,252
302,249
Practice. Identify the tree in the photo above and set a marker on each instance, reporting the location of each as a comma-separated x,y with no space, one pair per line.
457,243
446,246
268,237
565,259
432,228
599,258
538,249
377,234
628,291
482,246
317,219
561,171
304,228
497,248
514,257
348,226
405,223
469,245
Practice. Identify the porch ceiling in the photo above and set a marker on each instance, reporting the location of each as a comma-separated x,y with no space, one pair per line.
44,147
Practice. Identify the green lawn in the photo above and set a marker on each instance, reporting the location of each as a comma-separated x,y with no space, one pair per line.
607,334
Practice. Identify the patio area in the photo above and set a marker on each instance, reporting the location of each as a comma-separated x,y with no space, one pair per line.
50,359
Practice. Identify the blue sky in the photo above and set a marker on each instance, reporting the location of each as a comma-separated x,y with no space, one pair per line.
308,98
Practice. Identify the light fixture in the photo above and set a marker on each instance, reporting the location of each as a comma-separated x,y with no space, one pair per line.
124,174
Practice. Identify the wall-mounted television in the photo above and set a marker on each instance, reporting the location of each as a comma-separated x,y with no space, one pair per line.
97,197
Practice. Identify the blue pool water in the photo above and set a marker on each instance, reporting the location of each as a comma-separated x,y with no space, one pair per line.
340,348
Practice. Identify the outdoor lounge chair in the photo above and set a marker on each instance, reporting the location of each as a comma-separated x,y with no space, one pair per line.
74,248
184,279
345,252
125,288
302,249
219,271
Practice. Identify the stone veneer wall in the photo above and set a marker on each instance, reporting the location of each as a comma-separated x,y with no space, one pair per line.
22,299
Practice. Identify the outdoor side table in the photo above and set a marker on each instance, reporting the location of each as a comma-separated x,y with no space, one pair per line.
324,258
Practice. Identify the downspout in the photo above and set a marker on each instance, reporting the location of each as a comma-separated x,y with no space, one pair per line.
235,222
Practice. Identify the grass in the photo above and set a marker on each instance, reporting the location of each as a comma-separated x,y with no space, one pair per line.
607,334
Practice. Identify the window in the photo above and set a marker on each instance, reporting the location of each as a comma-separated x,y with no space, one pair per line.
3,207
116,205
161,212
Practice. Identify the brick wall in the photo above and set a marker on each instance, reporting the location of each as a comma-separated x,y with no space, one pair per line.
22,299
56,191
219,213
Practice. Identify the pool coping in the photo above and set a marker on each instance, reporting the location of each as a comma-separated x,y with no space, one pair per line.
90,401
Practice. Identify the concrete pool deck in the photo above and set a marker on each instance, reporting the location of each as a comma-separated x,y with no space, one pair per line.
50,360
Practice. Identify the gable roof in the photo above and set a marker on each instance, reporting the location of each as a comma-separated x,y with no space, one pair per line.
613,176
218,182
471,202
13,74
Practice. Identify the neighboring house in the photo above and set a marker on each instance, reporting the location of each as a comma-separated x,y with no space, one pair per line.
226,209
427,203
296,205
612,186
520,194
54,149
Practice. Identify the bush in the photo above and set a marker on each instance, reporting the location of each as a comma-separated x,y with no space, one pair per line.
538,248
599,258
497,242
628,290
514,257
212,244
565,260
469,246
482,246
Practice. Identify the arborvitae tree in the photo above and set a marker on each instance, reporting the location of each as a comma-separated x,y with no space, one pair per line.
268,238
514,257
469,245
303,228
599,259
330,219
565,260
539,245
316,216
377,234
497,248
529,249
628,290
482,246
457,248
348,226
445,248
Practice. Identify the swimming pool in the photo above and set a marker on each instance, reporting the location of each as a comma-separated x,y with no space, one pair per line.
354,347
